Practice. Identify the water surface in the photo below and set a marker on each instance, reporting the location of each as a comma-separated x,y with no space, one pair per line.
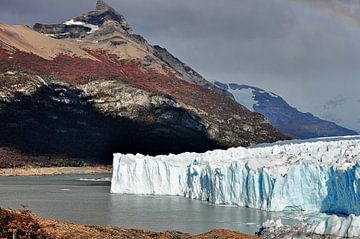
66,197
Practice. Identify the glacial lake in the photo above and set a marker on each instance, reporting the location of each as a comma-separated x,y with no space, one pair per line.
86,199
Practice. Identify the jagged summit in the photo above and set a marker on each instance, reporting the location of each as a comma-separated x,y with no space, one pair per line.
102,5
83,27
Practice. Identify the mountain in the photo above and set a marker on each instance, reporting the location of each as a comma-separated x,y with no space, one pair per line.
82,89
339,108
282,116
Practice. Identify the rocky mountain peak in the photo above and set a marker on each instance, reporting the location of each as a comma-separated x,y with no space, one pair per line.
84,26
104,13
102,5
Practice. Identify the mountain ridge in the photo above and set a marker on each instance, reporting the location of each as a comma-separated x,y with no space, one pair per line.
282,116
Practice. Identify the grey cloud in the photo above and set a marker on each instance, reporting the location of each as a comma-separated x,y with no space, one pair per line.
336,102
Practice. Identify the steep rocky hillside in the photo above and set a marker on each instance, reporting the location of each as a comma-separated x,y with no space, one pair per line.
90,86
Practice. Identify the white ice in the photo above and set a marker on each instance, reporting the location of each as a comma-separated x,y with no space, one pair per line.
313,175
245,97
318,224
78,23
348,227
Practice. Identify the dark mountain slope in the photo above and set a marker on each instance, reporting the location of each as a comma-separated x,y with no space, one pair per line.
282,116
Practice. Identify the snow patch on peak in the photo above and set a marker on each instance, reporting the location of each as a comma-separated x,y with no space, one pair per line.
78,23
245,97
272,94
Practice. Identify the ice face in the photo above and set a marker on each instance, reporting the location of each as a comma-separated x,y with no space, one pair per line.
313,175
330,225
337,226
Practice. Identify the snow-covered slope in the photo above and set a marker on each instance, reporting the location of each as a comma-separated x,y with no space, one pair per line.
281,115
314,175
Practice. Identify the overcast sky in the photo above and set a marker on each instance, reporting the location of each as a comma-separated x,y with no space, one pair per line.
307,51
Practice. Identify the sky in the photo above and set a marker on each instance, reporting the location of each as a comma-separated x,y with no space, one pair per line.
307,51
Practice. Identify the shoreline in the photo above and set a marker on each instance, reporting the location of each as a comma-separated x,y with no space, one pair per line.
38,227
62,229
52,171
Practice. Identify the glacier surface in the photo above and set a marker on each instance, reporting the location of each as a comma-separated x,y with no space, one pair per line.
331,226
348,227
313,175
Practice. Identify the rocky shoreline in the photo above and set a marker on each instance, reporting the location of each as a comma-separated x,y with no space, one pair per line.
50,171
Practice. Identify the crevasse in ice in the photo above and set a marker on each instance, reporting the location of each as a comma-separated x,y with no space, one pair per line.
312,175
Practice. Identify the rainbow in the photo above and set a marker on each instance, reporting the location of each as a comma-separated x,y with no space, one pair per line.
343,14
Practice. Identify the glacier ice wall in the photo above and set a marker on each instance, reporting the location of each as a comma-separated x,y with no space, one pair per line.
346,227
314,175
331,226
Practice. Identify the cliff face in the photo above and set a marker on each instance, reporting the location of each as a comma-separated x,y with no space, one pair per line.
90,86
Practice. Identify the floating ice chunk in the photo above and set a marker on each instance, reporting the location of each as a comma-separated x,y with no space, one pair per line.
273,223
95,179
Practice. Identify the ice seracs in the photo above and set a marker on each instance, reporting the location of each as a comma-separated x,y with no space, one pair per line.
348,227
313,175
316,226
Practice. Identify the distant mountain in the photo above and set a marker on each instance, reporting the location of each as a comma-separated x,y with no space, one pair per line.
281,115
342,110
90,86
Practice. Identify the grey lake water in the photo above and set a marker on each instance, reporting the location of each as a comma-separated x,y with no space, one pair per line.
71,198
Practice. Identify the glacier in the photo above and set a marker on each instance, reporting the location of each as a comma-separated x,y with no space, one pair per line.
348,227
331,226
317,175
